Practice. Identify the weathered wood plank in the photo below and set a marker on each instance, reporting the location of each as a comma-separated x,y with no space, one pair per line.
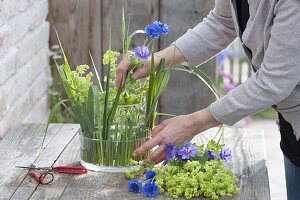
46,158
78,23
21,146
70,156
185,93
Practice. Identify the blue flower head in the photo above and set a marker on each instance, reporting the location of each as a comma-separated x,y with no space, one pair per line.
223,55
150,174
142,52
212,155
171,152
187,151
156,29
225,154
150,189
135,186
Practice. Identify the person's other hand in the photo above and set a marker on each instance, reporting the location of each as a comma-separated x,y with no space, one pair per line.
125,66
176,130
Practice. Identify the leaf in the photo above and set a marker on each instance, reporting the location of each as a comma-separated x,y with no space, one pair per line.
201,75
96,71
90,107
105,112
53,111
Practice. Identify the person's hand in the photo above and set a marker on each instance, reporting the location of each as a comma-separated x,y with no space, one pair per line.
125,66
176,130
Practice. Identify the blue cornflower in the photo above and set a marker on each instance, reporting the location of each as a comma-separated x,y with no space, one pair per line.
225,154
150,189
142,52
171,152
212,155
150,174
156,29
223,55
187,151
135,186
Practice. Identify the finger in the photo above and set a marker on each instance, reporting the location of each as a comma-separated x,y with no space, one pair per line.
160,158
156,154
157,129
121,71
140,73
146,146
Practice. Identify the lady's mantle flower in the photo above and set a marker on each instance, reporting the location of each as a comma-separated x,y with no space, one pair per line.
225,154
150,189
150,174
142,52
156,29
212,155
171,152
187,151
135,186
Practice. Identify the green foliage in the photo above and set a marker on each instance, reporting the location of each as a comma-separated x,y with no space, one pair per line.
193,179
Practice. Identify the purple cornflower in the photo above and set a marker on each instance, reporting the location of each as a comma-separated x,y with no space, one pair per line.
229,86
226,74
150,189
156,29
186,151
135,186
150,174
225,154
171,152
142,52
212,155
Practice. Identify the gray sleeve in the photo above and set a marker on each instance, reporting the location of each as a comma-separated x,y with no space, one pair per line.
209,37
278,75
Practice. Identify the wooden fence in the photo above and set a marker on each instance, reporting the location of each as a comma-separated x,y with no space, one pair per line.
83,25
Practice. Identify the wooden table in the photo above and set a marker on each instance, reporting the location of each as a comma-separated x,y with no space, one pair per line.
21,146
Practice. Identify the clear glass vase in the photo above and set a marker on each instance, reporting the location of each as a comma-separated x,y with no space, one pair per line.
112,152
109,155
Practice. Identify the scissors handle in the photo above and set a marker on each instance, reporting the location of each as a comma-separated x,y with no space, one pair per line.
69,169
37,175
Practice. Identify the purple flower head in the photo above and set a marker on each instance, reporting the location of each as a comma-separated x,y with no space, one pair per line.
135,186
229,86
150,189
142,52
156,29
223,55
150,174
226,74
226,154
212,155
187,151
171,152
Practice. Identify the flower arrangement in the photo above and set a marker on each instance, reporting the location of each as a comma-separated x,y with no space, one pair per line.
114,121
187,171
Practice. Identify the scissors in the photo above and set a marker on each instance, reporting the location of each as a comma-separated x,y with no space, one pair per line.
44,176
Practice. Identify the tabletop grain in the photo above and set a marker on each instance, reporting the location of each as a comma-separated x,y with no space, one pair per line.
22,146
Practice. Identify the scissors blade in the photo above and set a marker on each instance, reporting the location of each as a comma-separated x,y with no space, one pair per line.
30,167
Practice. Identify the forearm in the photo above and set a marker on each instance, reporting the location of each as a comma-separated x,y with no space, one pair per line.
202,120
172,56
